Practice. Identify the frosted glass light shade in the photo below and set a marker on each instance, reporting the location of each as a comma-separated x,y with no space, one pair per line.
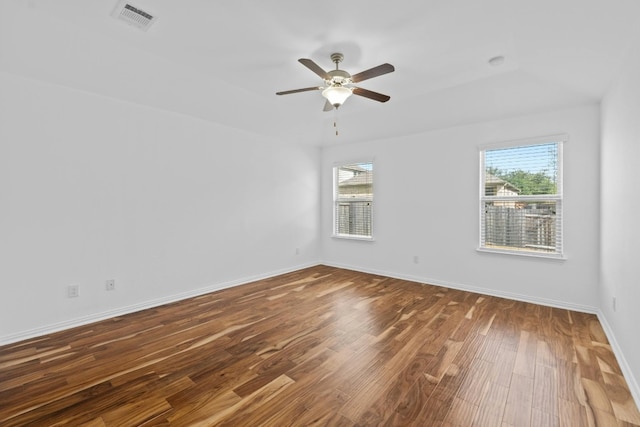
336,95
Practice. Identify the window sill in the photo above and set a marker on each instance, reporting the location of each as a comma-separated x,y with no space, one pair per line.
351,237
528,254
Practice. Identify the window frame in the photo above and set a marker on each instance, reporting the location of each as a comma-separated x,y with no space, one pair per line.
557,198
337,201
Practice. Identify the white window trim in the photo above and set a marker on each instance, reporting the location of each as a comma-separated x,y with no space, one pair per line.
561,139
334,200
352,237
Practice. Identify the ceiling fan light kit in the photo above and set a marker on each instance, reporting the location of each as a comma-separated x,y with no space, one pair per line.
336,95
339,83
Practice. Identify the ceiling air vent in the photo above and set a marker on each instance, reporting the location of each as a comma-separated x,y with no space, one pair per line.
133,15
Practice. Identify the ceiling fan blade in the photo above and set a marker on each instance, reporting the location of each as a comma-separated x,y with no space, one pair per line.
373,72
306,89
370,94
327,106
315,68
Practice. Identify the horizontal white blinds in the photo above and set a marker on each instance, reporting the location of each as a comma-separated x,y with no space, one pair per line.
525,170
353,199
521,198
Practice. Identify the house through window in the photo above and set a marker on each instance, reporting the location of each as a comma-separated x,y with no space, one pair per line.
521,198
353,200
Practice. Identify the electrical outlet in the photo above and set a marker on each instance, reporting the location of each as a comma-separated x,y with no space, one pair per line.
297,251
110,285
416,260
613,303
73,291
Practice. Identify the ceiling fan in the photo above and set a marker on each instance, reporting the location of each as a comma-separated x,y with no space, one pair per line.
339,84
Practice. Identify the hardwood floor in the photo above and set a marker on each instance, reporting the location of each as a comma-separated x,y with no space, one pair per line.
322,347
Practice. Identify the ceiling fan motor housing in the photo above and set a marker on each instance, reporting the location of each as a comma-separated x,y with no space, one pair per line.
338,77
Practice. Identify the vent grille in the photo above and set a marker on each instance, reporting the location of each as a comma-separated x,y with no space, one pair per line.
133,15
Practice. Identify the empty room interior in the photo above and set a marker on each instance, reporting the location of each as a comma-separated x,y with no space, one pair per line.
338,213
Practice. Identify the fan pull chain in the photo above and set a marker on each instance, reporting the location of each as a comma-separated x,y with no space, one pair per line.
335,119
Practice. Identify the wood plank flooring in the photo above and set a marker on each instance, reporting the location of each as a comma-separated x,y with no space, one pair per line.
322,347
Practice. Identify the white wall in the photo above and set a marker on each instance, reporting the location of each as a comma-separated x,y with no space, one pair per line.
426,205
92,189
620,229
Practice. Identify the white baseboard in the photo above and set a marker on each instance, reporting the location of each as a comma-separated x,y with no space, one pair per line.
484,291
628,374
84,320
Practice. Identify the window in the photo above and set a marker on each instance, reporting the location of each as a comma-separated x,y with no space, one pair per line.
353,200
521,198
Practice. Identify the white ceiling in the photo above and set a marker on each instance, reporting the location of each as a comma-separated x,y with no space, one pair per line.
224,60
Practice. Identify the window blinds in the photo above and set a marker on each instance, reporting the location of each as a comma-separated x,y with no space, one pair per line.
353,200
521,198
